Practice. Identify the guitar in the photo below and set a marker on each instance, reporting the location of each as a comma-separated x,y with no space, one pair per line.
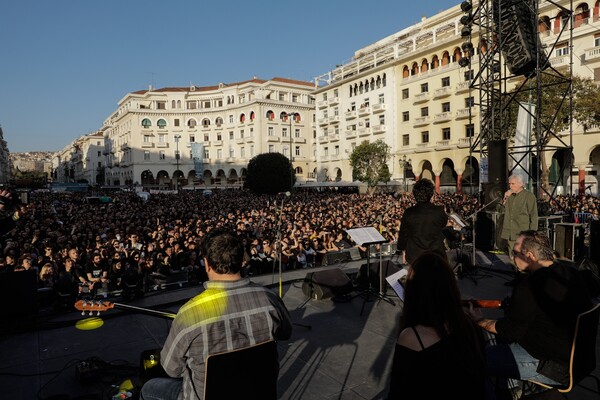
484,303
100,305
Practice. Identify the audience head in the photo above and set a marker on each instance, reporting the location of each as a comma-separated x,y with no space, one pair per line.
423,190
531,247
223,251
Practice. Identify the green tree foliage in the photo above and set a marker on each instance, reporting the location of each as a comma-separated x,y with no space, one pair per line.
369,163
270,173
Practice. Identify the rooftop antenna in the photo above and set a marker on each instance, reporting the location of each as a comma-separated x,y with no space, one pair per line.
151,79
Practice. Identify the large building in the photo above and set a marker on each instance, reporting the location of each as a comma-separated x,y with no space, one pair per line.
412,89
4,160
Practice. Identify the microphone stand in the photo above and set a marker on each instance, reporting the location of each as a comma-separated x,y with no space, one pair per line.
473,217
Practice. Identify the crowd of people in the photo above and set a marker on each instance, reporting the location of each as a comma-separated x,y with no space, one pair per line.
79,246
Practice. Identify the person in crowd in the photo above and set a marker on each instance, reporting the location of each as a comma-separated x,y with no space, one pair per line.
536,332
520,213
227,298
422,224
70,280
440,350
97,274
46,276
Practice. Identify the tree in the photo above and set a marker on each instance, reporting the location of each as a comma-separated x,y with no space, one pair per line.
369,163
270,173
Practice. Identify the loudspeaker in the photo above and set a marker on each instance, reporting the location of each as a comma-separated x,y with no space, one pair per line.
595,242
516,26
493,194
337,257
18,293
327,283
488,229
497,164
569,241
388,267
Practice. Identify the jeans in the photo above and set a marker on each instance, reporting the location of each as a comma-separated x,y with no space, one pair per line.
162,389
513,361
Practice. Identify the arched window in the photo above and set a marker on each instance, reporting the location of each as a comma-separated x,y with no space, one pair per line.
361,88
435,62
384,81
445,58
378,81
366,86
206,122
219,121
297,117
372,83
457,55
243,118
172,103
161,123
191,123
415,69
270,115
146,123
405,72
283,116
252,116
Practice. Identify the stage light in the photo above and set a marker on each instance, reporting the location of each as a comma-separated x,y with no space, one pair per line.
464,62
466,6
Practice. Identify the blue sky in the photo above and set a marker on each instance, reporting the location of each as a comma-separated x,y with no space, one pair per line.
64,64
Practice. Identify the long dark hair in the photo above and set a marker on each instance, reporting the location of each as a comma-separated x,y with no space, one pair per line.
432,298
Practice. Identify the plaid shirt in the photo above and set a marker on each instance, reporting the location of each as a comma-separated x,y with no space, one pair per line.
227,315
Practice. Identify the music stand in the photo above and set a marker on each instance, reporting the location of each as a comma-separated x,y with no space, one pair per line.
368,236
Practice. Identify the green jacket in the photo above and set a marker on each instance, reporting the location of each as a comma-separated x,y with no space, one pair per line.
520,214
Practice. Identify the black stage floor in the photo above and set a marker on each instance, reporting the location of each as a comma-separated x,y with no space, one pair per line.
339,350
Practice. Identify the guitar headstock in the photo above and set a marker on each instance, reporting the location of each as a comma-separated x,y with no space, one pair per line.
93,305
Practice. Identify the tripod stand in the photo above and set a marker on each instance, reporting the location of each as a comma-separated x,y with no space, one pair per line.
369,236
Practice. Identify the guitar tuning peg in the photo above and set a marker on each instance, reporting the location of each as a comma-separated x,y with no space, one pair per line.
91,313
98,313
83,312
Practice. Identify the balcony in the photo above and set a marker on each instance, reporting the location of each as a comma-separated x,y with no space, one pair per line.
421,121
300,140
350,134
464,113
442,145
334,138
350,114
162,145
323,139
323,121
322,104
463,87
148,145
442,92
239,140
249,139
364,131
464,143
333,101
334,119
559,61
272,139
217,143
422,148
421,98
379,129
364,111
442,117
378,108
592,54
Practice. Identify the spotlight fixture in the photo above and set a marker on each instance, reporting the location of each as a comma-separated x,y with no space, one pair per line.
465,31
466,6
464,62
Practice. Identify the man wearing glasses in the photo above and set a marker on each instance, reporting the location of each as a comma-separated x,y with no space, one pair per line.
535,335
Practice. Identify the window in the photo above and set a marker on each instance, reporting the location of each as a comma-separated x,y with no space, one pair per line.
404,93
469,75
446,81
382,120
231,152
162,138
161,155
219,154
191,105
469,102
161,105
192,123
206,104
206,138
294,98
242,152
381,99
252,150
241,134
446,134
297,133
231,119
297,151
446,107
425,137
424,87
596,40
98,154
161,123
469,130
335,93
325,96
147,139
284,132
336,150
206,153
270,131
176,122
424,111
219,121
271,148
146,123
562,50
219,138
405,116
146,155
231,134
405,140
326,151
281,96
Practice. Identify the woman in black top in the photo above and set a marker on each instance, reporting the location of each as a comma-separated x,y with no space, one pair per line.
440,351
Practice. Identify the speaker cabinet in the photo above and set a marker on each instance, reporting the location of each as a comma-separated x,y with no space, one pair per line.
387,268
569,241
488,229
326,284
18,293
546,225
497,165
595,242
516,26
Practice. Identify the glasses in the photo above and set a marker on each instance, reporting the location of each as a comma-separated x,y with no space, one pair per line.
514,254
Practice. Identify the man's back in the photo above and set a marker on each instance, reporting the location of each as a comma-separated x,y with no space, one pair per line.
421,230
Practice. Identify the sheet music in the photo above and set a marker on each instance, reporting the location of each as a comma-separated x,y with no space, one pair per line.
457,221
366,235
394,281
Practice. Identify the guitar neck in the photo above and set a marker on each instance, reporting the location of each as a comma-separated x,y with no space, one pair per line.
148,311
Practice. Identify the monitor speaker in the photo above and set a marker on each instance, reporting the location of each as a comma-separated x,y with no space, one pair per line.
326,284
386,267
569,241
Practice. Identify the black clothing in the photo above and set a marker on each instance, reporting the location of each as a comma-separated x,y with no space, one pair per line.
437,372
421,230
542,312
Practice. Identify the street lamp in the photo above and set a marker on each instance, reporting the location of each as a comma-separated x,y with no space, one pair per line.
290,117
405,164
176,175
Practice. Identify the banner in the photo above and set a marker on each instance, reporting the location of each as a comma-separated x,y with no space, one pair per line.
198,156
523,140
